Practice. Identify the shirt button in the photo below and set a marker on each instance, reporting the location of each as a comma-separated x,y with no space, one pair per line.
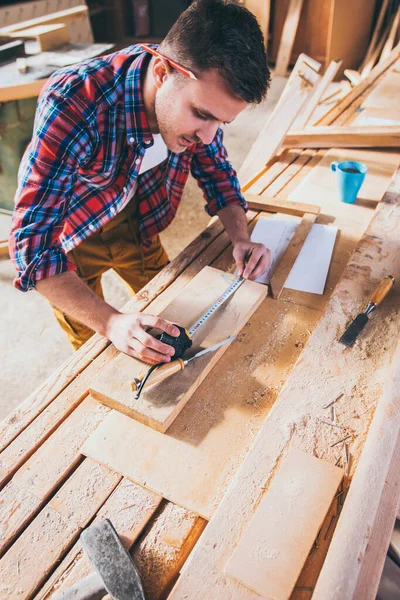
137,161
91,227
125,189
112,210
131,139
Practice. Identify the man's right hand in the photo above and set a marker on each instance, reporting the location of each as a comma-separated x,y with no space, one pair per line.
127,331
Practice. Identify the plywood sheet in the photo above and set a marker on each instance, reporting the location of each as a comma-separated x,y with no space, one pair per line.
321,182
160,404
273,549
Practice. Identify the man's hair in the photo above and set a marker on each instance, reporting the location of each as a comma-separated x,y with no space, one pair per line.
222,35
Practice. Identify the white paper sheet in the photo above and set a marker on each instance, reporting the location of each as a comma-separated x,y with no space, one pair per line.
310,270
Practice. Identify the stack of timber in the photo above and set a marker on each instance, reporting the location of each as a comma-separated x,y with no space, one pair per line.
66,459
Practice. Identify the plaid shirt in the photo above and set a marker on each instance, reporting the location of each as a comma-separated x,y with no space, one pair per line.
90,135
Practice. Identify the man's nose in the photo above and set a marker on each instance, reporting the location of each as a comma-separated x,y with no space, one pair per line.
207,132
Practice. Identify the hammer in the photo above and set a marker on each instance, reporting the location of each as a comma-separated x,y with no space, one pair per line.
115,572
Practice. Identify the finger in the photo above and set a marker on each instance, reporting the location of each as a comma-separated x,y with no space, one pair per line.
239,260
262,266
149,341
158,323
253,260
147,354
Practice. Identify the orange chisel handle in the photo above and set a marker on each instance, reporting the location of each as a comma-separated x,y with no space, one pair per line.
382,290
162,372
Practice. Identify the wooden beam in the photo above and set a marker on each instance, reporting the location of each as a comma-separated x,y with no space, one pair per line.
62,16
353,76
354,563
298,209
48,37
290,103
288,36
376,53
345,137
375,34
280,276
296,502
359,89
391,39
319,91
160,404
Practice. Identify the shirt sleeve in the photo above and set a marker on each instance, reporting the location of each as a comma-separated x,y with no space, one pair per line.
46,179
216,176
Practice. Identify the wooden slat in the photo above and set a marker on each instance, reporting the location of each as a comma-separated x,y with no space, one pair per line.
321,374
359,89
298,209
159,405
30,559
345,137
28,410
387,48
164,548
353,76
288,35
376,53
365,526
296,503
130,507
375,34
282,272
270,138
319,90
48,467
62,16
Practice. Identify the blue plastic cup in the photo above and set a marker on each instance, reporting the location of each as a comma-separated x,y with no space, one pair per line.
350,176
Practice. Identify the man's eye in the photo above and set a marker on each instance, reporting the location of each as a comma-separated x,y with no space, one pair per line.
200,116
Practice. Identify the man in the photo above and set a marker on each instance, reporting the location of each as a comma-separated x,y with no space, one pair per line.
114,140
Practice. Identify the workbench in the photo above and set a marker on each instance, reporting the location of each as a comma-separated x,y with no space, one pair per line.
277,373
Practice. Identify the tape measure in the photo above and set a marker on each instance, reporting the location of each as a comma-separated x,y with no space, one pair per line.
183,342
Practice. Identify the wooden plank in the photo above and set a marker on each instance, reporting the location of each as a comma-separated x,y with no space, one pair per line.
376,53
160,404
288,35
48,37
130,507
162,552
37,479
270,138
345,137
319,90
375,34
206,428
261,11
359,89
318,377
4,250
281,274
62,16
365,526
353,76
387,48
268,561
28,410
30,559
298,209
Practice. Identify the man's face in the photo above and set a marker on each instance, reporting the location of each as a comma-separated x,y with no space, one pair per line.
190,111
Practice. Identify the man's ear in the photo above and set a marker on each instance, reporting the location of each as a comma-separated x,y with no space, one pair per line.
161,70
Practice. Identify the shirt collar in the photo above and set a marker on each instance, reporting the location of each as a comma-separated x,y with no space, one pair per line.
137,126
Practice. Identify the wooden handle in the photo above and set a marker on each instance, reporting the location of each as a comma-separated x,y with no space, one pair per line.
165,371
382,290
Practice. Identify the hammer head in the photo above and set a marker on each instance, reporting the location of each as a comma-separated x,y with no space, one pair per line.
112,562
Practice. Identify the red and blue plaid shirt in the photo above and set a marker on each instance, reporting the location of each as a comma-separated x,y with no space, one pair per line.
90,135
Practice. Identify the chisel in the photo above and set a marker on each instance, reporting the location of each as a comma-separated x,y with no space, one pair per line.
160,372
355,328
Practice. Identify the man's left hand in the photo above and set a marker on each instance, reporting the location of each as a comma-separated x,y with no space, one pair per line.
252,260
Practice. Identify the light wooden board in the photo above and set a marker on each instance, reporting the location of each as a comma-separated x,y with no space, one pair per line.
322,372
220,421
280,276
375,35
275,546
345,137
391,37
292,100
160,404
319,90
288,35
360,543
322,181
281,206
